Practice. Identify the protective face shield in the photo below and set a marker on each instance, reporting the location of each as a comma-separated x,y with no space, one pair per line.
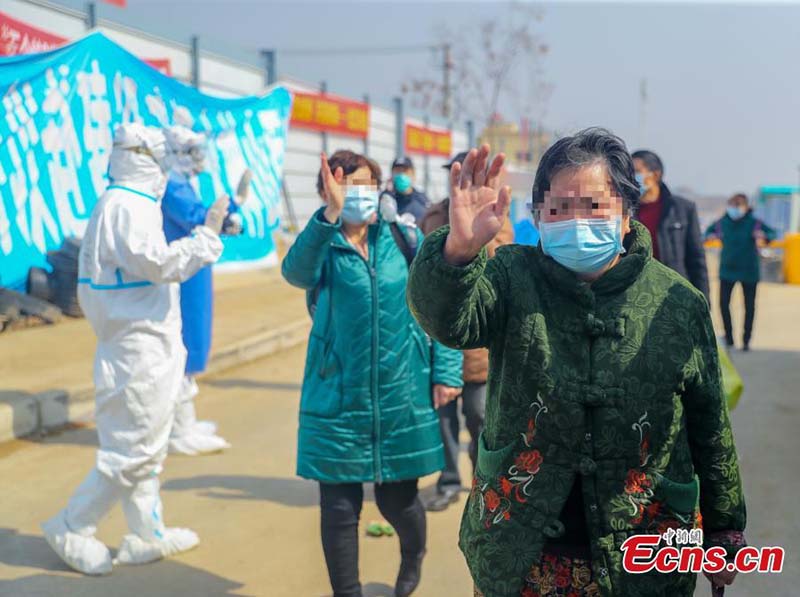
582,245
138,158
187,150
142,140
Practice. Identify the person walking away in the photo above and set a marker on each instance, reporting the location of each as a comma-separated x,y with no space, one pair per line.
476,368
128,291
410,202
183,210
741,234
671,221
371,374
604,407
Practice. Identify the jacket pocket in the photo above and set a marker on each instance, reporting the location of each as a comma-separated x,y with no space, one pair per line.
681,498
419,369
322,386
490,461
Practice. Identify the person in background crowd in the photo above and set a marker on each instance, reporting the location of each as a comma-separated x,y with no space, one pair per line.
409,200
371,375
741,234
476,368
604,407
525,232
128,291
672,222
183,210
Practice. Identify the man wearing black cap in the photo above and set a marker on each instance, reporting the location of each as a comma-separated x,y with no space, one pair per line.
409,200
475,373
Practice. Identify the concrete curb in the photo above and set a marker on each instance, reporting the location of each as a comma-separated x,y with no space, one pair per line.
37,414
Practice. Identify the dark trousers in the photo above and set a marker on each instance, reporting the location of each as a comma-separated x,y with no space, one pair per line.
473,407
725,290
340,504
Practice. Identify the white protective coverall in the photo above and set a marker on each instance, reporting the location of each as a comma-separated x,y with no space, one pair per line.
128,290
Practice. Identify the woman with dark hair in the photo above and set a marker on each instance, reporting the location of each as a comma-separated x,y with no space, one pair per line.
741,234
371,376
605,416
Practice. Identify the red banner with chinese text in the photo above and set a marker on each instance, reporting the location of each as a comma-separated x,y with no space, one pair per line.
162,65
17,37
427,140
329,113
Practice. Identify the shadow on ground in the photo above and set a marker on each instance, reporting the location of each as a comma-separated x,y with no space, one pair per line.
168,577
251,384
375,589
286,491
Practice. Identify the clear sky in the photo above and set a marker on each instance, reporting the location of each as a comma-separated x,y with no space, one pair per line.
723,79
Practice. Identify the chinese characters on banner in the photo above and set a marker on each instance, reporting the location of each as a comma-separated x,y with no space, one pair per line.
59,112
17,38
328,113
427,140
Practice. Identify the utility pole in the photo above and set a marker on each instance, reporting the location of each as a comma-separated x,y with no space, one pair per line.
270,67
447,66
195,61
91,15
323,89
643,112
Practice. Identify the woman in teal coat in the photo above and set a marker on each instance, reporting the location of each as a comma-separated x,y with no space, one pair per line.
372,376
742,234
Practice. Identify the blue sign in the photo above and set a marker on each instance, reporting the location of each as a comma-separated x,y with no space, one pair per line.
59,110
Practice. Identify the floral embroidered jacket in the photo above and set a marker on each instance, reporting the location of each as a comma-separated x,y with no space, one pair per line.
617,381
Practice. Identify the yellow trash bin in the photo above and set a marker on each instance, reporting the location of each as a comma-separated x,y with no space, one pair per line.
791,258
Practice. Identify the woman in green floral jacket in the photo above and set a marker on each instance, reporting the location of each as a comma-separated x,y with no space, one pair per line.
605,417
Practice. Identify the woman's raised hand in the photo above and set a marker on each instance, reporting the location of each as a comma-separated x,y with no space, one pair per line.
478,205
334,189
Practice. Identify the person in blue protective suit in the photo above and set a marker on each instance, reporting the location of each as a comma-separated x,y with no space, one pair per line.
128,290
182,209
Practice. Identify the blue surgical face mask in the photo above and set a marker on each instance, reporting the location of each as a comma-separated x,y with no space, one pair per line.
642,186
735,213
360,204
582,245
402,182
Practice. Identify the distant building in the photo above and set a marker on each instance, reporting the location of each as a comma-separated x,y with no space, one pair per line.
522,143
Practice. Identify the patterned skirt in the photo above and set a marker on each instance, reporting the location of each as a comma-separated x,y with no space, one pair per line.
559,576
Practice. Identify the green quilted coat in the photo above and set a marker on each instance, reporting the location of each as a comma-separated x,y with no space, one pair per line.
366,412
617,381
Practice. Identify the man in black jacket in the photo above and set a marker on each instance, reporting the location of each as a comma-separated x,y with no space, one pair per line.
672,222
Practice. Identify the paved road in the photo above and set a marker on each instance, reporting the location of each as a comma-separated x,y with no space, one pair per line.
259,524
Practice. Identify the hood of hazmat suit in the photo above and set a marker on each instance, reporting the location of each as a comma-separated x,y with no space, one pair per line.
128,289
186,150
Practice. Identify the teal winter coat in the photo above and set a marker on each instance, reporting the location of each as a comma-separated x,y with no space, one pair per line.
739,260
366,412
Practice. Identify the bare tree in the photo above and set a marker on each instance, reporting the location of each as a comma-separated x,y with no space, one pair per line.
497,62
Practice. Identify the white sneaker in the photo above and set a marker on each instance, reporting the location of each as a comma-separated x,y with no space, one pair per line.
84,554
197,443
135,550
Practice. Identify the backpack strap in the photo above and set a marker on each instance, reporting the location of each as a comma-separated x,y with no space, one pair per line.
407,247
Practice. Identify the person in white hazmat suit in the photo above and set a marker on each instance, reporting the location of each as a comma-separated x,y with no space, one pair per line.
128,289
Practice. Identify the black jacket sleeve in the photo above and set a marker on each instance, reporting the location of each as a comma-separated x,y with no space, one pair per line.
695,253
